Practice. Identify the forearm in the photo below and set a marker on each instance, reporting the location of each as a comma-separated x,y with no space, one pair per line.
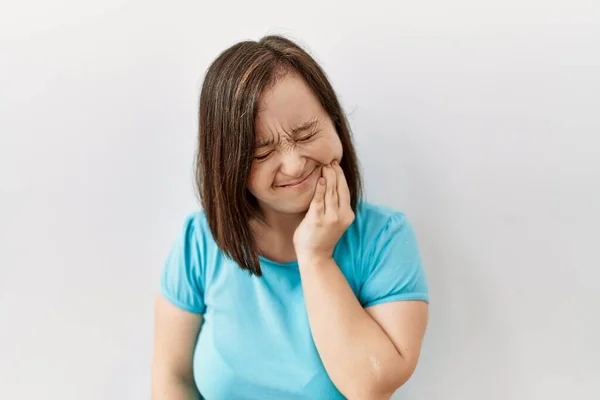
174,388
359,357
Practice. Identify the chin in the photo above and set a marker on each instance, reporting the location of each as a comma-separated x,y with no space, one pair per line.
296,206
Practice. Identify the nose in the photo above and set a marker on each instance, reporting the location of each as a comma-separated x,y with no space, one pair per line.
292,163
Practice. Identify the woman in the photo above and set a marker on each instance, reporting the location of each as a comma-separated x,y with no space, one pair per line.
287,285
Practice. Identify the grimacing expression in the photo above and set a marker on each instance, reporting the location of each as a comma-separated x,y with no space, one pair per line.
295,137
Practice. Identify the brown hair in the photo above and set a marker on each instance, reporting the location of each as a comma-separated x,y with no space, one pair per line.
226,137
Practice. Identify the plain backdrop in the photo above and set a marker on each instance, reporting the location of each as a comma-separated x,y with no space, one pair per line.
479,120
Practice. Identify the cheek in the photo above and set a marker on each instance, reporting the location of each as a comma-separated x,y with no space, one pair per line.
260,178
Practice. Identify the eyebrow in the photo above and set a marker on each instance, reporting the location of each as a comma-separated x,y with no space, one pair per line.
265,142
305,126
300,128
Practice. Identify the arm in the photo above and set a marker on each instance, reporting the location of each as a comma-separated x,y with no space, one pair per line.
175,335
404,323
368,354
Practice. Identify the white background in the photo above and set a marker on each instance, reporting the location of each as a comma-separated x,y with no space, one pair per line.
480,120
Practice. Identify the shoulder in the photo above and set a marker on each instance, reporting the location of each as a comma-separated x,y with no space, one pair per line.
195,226
374,220
196,220
378,253
183,277
373,228
193,246
195,238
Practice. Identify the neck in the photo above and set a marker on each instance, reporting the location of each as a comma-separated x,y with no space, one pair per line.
275,236
282,225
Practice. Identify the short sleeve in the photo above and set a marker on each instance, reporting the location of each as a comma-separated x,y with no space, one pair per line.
182,278
393,269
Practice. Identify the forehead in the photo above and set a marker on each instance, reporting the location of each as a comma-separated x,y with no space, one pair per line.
289,103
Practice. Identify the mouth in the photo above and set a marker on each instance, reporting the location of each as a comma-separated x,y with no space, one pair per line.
299,182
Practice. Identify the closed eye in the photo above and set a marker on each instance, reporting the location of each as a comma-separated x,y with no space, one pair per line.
262,157
307,137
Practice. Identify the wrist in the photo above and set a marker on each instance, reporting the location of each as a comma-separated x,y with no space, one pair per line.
313,258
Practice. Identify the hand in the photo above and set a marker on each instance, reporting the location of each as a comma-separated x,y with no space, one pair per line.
328,216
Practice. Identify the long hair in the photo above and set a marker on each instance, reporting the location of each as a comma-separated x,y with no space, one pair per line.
229,102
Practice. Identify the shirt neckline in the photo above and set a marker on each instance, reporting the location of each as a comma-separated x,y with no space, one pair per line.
279,264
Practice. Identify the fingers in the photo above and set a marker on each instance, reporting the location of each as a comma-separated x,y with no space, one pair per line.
317,204
342,185
331,193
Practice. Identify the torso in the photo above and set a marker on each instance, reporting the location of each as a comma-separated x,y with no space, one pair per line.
255,342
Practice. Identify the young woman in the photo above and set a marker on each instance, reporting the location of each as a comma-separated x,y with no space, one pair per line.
287,285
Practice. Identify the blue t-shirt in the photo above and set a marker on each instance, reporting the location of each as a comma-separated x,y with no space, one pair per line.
255,341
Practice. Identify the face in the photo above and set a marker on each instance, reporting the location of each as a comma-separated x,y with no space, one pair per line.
295,137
